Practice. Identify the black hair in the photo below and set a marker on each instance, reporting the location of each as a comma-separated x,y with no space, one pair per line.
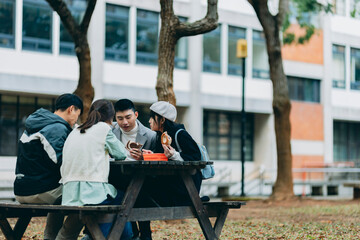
123,105
100,111
168,124
66,100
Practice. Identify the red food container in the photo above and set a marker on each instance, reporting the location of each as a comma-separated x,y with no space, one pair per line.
155,157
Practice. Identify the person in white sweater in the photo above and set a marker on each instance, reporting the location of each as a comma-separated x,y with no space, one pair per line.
85,168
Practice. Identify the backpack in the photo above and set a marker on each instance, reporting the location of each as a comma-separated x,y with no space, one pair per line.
208,171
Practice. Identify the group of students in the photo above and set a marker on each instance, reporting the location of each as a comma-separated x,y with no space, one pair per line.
59,163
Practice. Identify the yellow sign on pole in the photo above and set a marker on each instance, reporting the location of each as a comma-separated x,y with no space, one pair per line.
241,48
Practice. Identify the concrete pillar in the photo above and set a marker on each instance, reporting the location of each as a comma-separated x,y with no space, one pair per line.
326,89
18,24
194,115
96,38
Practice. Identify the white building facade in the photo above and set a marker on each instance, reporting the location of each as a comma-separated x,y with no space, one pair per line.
37,63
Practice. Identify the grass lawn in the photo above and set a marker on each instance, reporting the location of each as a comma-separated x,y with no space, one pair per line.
302,219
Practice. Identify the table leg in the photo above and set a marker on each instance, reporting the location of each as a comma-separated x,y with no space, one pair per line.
19,228
6,229
201,213
220,220
93,227
129,200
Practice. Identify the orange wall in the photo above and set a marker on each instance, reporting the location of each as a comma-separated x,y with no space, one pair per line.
300,161
307,121
310,52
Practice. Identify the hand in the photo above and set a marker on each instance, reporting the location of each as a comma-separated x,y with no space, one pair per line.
147,151
168,151
136,154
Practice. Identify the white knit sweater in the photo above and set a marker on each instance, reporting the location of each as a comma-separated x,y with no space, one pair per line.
84,155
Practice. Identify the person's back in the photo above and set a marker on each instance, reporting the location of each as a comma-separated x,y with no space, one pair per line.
39,153
40,157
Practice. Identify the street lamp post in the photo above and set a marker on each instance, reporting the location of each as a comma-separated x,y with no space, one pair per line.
241,52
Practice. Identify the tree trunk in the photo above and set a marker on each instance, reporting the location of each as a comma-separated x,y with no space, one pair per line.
167,41
283,188
78,33
171,31
84,88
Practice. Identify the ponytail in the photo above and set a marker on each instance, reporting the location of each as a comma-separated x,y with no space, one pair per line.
100,111
93,118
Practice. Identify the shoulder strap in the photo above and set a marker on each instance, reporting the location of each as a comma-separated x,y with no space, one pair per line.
176,141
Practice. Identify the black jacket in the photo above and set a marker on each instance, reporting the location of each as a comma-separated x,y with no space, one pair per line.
189,152
40,153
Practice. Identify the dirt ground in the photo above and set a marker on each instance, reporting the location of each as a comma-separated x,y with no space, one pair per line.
262,209
261,219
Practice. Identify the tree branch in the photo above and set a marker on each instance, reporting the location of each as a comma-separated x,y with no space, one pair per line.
207,24
283,10
65,15
84,26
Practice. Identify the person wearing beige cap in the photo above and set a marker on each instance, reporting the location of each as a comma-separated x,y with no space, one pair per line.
170,190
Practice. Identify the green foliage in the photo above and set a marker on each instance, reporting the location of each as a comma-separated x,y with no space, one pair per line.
303,11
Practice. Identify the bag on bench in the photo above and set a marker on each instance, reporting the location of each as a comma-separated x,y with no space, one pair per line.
208,171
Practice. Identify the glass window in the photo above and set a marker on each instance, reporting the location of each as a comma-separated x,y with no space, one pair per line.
181,50
234,63
147,37
7,23
355,68
222,135
304,89
338,66
8,123
13,112
77,9
260,56
117,33
346,143
355,8
37,26
211,48
339,7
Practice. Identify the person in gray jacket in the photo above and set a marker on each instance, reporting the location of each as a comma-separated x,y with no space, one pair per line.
129,128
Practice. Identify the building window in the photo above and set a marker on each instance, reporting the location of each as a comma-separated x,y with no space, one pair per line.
346,142
14,110
181,50
355,8
117,33
355,68
37,26
339,7
77,9
304,89
147,37
338,66
211,51
222,135
234,63
7,23
260,56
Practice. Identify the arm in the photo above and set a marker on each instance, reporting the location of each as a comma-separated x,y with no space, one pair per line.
53,138
115,147
190,150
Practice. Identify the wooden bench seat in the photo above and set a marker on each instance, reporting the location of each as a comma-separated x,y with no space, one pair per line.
24,213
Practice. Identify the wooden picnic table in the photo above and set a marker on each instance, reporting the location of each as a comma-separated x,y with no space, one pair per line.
137,171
